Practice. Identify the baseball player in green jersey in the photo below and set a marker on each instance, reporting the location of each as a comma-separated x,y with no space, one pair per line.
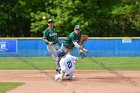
50,37
72,40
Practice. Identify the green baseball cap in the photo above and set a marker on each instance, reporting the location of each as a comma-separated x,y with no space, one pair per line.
50,20
77,27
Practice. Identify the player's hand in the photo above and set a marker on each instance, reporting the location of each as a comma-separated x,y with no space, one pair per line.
85,50
50,43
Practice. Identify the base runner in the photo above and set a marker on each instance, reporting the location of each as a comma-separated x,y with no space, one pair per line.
67,63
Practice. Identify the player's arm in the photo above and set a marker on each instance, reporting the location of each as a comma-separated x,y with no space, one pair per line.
45,40
74,59
45,36
79,47
74,41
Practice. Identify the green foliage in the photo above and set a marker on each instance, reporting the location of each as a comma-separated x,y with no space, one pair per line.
14,18
96,17
38,23
126,15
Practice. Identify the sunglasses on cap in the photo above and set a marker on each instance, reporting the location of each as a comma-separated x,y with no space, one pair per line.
50,22
77,29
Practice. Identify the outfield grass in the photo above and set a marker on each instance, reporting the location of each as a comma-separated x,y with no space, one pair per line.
46,63
6,86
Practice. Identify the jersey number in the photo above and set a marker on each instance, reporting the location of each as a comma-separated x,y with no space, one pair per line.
69,64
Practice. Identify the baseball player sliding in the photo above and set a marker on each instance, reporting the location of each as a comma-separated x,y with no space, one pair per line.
67,62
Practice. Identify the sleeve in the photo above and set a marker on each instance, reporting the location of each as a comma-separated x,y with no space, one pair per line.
74,58
76,44
73,37
45,34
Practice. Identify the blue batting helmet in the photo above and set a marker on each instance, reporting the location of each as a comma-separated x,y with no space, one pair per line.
60,53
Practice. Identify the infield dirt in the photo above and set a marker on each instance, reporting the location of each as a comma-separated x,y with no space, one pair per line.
84,82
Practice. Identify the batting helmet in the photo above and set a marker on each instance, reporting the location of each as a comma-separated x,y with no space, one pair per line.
60,53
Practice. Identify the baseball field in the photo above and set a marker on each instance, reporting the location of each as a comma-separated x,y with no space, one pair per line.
92,75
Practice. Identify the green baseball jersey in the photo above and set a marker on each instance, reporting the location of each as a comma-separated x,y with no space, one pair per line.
51,35
72,37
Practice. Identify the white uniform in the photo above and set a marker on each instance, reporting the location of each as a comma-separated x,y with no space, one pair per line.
67,65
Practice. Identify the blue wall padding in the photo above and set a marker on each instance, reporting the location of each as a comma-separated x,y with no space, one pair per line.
96,47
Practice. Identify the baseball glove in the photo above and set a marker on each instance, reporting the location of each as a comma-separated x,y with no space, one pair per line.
83,39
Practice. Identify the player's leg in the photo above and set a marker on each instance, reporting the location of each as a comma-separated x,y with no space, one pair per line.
69,76
66,50
53,52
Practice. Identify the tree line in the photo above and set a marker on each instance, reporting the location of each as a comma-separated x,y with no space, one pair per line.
97,18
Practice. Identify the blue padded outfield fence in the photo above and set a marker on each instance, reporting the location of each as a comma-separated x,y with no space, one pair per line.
98,47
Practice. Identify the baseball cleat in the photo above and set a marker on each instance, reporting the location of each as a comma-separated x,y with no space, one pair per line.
58,70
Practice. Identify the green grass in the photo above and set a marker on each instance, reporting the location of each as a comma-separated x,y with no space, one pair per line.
46,63
23,63
6,86
110,63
